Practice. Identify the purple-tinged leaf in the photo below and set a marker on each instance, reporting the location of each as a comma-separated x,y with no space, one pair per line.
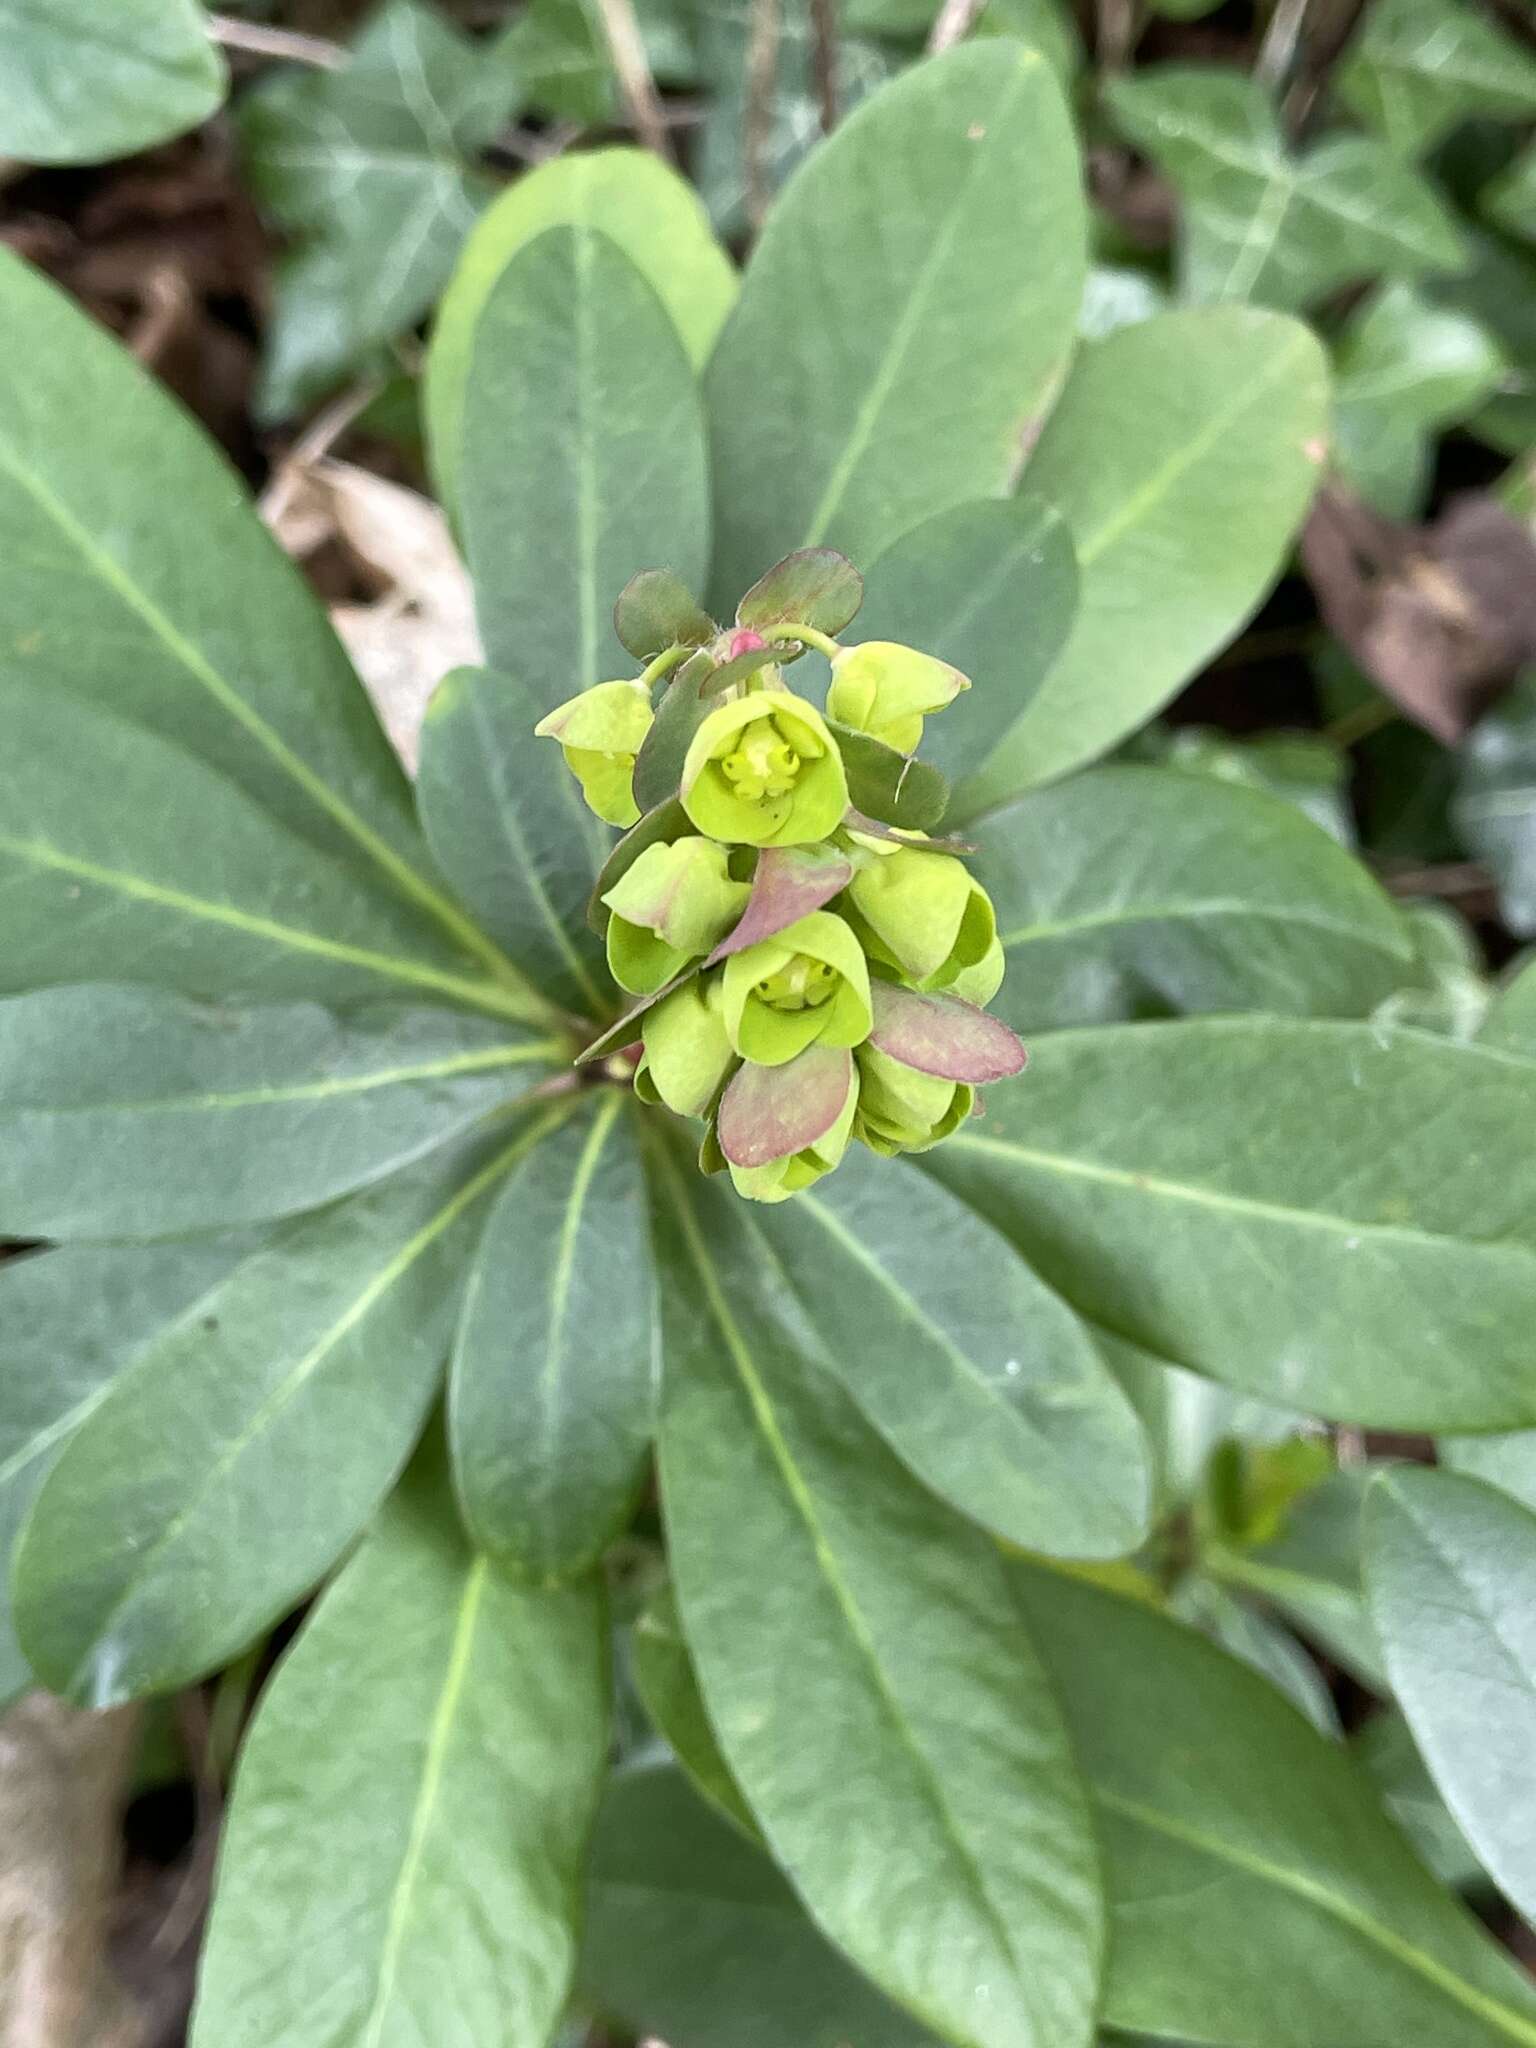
814,587
790,882
941,1035
768,1113
656,610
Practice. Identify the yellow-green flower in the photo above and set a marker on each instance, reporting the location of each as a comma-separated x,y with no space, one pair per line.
924,913
901,1110
807,985
672,905
601,730
764,771
688,1053
884,689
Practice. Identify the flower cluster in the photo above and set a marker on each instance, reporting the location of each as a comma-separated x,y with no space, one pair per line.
810,966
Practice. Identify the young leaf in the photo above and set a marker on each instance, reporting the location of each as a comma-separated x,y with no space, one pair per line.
1243,1850
552,1395
813,587
412,1806
905,316
125,1112
582,458
977,1376
1282,1204
892,1617
1418,67
1120,891
510,830
655,611
693,1935
126,857
641,204
681,709
1449,1565
1182,454
73,1321
221,1478
891,787
989,587
82,85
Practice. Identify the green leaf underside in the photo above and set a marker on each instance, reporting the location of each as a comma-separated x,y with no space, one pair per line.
72,1321
582,459
237,662
508,826
1119,893
117,846
642,204
1449,1568
978,1377
552,1395
1243,1851
404,1846
990,588
1290,1206
942,226
894,1616
125,1112
222,1476
83,83
1182,455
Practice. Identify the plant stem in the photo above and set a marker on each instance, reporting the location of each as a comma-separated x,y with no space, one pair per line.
1358,724
283,43
627,48
807,636
664,663
757,127
824,60
1278,50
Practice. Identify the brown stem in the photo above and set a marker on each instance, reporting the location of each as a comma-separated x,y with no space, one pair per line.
824,60
757,127
627,47
282,43
954,22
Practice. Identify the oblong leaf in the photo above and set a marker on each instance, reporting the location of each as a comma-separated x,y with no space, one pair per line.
1117,893
943,228
551,1400
125,1112
412,1804
510,830
1182,455
893,1619
1283,1204
82,85
1269,1863
583,458
1449,1565
219,1479
977,1376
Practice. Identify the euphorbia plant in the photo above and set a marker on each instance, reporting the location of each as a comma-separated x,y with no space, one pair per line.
314,1084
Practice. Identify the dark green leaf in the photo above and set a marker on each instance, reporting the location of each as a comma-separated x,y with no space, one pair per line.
1182,454
508,825
655,611
1495,801
1385,1751
1284,1204
681,709
990,588
978,1377
552,1395
83,83
669,1690
583,458
1123,891
1511,199
801,1549
892,788
1417,67
221,1478
815,587
403,1855
1244,1851
1449,1569
1254,1639
125,1112
668,821
905,316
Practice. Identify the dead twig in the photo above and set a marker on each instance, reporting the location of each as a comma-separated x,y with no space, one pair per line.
954,22
824,60
757,126
316,442
626,45
1277,52
283,43
1117,29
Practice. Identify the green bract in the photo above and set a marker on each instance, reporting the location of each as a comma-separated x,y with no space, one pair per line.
765,771
808,984
903,1110
687,1048
673,904
886,691
600,732
924,912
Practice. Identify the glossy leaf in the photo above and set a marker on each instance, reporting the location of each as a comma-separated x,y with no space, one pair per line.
1270,1863
977,1376
510,830
71,1322
1262,225
125,1112
583,458
123,854
989,587
894,1618
82,85
693,1935
1122,892
405,1842
1283,1204
222,1477
1417,67
641,204
1182,454
552,1394
942,227
1495,801
1449,1564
